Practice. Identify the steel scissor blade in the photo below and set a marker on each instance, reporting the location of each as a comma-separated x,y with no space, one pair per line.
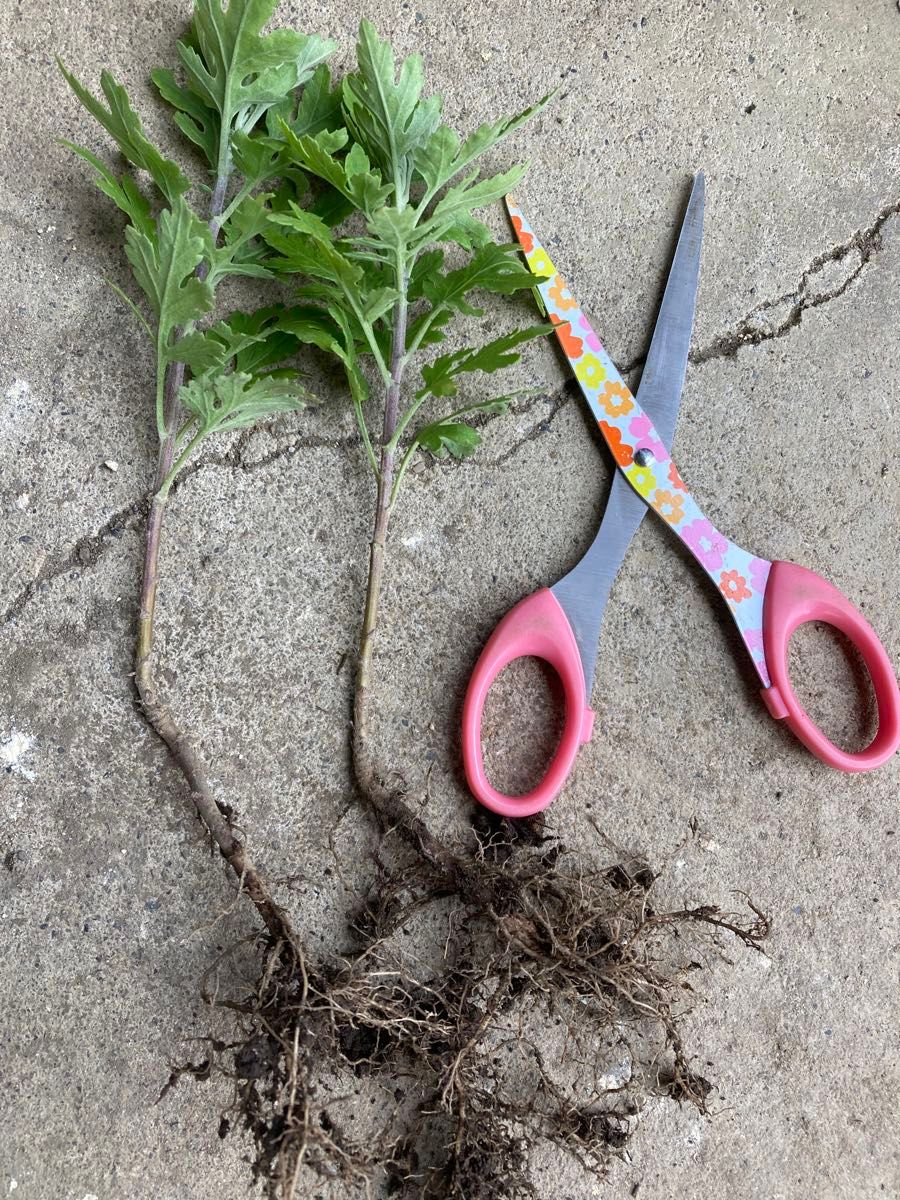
584,591
663,377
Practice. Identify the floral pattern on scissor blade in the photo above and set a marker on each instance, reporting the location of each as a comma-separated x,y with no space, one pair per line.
641,454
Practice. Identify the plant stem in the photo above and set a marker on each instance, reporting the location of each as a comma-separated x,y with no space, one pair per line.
157,713
160,718
388,803
362,758
217,204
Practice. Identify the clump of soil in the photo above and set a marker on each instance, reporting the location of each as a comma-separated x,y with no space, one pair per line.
497,1007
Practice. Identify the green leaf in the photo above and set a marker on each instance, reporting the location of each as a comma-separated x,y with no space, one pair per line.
442,157
385,113
123,191
392,228
225,402
453,437
331,206
165,266
426,265
486,136
440,377
236,72
213,348
468,232
435,160
303,221
352,178
459,201
305,254
432,322
378,302
123,124
258,159
494,268
270,344
315,153
319,108
356,162
196,120
243,252
313,326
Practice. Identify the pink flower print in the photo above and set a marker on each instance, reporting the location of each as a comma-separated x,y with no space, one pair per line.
640,428
590,337
706,542
754,640
759,574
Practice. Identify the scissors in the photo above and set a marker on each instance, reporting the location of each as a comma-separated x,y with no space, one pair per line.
766,600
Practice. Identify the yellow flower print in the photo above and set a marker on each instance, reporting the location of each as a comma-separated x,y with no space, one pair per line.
590,370
539,263
616,400
669,506
561,296
641,479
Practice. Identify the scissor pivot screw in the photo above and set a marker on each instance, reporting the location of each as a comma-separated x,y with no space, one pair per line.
644,457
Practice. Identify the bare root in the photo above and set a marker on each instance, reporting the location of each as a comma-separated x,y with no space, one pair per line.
542,1013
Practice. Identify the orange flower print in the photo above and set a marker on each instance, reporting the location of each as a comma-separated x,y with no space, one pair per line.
560,295
526,240
734,586
573,346
669,506
591,372
675,479
616,400
621,451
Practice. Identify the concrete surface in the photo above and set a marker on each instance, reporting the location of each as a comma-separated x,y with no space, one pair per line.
109,904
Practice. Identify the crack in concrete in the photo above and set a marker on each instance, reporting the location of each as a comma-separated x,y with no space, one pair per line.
557,401
86,553
865,243
234,459
750,332
88,550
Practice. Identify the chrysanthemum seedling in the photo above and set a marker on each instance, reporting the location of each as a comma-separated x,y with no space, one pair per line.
232,79
378,296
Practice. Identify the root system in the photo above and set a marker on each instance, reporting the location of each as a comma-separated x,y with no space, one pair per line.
469,1039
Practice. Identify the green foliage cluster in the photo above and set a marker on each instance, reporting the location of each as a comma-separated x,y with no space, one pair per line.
233,76
294,159
380,295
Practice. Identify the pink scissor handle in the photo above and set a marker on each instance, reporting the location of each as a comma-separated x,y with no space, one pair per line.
536,628
794,596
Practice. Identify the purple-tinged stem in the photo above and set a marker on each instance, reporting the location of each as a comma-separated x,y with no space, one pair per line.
156,711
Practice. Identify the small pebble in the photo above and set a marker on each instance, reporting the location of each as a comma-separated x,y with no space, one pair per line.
111,465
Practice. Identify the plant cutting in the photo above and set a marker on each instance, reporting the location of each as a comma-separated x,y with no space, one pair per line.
380,296
183,239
